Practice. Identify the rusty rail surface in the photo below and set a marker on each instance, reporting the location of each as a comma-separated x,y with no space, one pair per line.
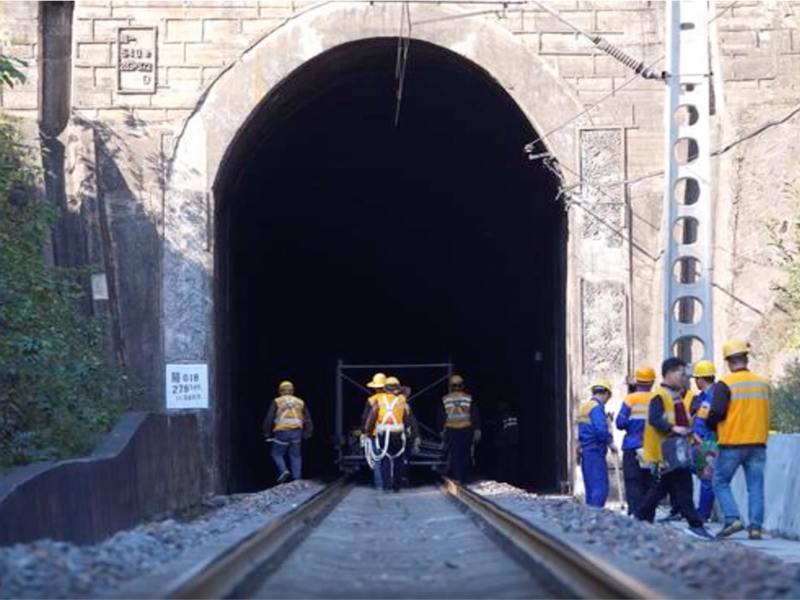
585,575
236,571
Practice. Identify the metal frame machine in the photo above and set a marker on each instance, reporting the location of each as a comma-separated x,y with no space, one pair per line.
351,396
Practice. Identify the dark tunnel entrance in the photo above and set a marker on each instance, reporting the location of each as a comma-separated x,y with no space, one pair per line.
341,236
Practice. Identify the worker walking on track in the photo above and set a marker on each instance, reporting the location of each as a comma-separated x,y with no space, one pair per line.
666,445
395,430
287,423
739,414
704,446
632,419
378,386
462,428
595,439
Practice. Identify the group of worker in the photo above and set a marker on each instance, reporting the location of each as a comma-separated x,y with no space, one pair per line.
389,426
389,430
673,432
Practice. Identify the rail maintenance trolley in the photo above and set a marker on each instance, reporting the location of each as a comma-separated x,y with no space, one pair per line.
351,397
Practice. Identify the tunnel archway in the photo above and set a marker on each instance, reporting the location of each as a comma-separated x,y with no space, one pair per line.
339,235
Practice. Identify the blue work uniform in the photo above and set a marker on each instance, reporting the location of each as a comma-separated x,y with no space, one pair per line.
631,419
594,438
701,404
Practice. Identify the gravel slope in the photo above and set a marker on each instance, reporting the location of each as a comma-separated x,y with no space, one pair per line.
50,569
712,569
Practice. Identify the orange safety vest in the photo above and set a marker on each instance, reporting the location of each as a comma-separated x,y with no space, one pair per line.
391,413
651,445
289,413
747,420
457,408
639,403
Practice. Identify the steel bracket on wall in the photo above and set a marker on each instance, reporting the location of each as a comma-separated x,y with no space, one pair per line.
688,322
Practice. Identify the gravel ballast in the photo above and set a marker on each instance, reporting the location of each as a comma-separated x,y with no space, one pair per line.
721,569
51,569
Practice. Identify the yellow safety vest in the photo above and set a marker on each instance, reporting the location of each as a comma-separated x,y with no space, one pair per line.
584,408
651,444
457,408
289,413
391,413
639,403
747,421
371,401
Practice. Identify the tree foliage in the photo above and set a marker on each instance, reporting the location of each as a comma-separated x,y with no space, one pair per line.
58,393
786,400
10,73
785,241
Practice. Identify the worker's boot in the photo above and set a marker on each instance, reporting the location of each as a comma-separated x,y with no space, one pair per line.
733,527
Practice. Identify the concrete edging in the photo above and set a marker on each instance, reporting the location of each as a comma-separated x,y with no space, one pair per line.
148,464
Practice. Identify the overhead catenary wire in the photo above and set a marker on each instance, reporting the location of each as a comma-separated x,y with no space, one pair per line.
723,149
403,45
637,66
531,146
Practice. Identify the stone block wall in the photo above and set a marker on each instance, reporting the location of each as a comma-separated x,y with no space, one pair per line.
617,130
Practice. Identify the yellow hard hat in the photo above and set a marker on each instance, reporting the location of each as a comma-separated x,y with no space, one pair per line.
392,381
285,385
645,374
704,368
601,384
734,347
456,380
378,381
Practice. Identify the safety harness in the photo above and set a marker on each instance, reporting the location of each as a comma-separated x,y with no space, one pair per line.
387,426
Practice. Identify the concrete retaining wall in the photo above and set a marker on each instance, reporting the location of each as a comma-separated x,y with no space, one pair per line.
781,483
148,464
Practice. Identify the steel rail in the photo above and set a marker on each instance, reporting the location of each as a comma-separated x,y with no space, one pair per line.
584,574
244,565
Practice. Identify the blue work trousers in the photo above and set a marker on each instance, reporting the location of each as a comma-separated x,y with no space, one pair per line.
753,460
705,503
595,476
459,452
391,468
288,441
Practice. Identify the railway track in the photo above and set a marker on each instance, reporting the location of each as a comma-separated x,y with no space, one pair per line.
432,542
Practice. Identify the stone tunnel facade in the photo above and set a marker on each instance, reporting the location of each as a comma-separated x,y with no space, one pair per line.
141,100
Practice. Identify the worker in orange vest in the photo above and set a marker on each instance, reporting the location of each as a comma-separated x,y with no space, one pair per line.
287,423
462,428
391,419
739,414
632,419
378,387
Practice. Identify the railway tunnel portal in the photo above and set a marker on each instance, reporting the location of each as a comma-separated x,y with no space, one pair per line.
349,225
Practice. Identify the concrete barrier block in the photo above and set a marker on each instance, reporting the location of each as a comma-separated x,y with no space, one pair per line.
781,486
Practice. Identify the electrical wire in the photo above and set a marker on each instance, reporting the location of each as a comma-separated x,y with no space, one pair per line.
403,45
530,146
723,149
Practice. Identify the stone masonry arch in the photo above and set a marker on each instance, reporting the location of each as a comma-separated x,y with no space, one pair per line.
200,149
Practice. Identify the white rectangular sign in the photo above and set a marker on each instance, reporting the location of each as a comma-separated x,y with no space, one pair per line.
187,386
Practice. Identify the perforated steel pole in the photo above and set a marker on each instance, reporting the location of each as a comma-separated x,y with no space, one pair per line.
688,317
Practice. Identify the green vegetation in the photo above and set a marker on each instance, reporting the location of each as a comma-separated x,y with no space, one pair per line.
785,240
58,393
786,400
